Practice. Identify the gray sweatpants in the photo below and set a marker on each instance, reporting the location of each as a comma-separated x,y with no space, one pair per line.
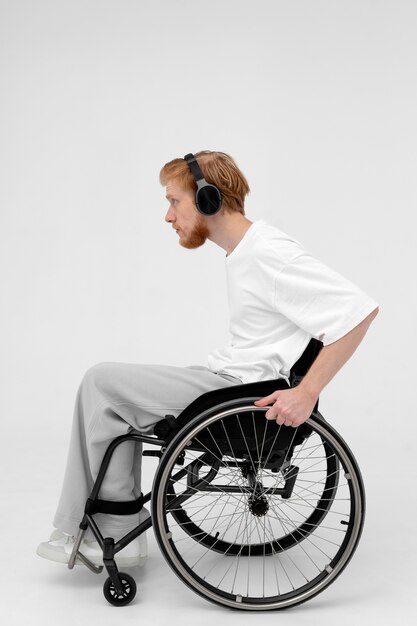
114,399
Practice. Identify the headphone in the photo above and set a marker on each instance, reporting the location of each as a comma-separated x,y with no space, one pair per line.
208,198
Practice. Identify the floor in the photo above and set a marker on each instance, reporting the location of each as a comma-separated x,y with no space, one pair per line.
377,586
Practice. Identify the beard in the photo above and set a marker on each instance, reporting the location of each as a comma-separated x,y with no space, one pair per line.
197,237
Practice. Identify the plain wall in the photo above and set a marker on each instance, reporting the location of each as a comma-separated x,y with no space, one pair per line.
315,100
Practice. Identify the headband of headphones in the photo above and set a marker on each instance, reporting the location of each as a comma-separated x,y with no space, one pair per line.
208,198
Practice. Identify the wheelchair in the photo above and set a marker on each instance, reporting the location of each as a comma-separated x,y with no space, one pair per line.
250,515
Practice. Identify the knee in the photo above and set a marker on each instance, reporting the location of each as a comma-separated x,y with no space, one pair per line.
97,375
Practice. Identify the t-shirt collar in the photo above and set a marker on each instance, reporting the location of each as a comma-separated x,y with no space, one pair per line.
246,237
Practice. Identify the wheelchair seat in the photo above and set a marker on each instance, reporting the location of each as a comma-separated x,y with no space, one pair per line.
167,427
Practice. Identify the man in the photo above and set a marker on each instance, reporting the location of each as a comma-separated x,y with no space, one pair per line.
279,298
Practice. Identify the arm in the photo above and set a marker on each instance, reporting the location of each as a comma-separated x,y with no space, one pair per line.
291,407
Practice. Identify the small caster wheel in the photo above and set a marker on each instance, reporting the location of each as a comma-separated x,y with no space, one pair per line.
128,586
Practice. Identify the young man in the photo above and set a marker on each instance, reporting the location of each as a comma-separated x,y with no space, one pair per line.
279,298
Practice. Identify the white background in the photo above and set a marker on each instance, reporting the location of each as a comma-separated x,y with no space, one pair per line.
316,101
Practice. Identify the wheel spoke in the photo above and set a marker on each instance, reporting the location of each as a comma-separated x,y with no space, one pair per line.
246,521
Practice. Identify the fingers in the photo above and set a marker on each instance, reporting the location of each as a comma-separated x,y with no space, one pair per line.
267,399
282,416
285,421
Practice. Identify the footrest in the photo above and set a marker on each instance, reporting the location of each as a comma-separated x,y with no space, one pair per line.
96,569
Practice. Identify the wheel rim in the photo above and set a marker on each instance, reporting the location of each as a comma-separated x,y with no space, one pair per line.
289,554
128,590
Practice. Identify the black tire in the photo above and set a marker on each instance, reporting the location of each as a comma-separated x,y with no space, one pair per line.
308,553
129,590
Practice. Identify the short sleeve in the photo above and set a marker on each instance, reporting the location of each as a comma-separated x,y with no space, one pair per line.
319,300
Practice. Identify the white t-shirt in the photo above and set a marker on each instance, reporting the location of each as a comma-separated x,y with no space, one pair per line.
279,298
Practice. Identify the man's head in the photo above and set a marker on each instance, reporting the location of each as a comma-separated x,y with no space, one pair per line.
219,169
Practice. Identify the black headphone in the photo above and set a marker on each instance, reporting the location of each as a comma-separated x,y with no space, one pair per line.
208,198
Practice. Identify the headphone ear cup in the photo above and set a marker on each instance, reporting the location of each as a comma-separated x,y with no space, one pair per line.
208,200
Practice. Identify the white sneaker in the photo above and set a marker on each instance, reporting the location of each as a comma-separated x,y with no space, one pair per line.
60,545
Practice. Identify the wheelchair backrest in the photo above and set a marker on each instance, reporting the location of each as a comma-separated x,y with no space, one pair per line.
301,367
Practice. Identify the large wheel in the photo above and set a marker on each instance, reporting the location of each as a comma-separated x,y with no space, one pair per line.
254,516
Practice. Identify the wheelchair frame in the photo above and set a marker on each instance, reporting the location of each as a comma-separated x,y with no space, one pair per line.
267,485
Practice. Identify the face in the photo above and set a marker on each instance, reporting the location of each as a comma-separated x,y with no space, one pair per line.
182,213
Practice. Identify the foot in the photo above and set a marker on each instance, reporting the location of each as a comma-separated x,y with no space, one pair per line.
60,545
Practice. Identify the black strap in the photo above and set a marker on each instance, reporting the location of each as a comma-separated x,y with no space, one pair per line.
118,508
166,428
194,167
301,367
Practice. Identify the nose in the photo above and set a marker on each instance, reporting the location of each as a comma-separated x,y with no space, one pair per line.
169,217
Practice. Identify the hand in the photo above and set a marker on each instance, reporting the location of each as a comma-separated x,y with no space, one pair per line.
290,407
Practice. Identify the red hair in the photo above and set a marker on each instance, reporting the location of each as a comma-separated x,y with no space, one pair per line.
219,169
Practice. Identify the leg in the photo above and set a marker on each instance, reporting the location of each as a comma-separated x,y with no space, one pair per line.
112,399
